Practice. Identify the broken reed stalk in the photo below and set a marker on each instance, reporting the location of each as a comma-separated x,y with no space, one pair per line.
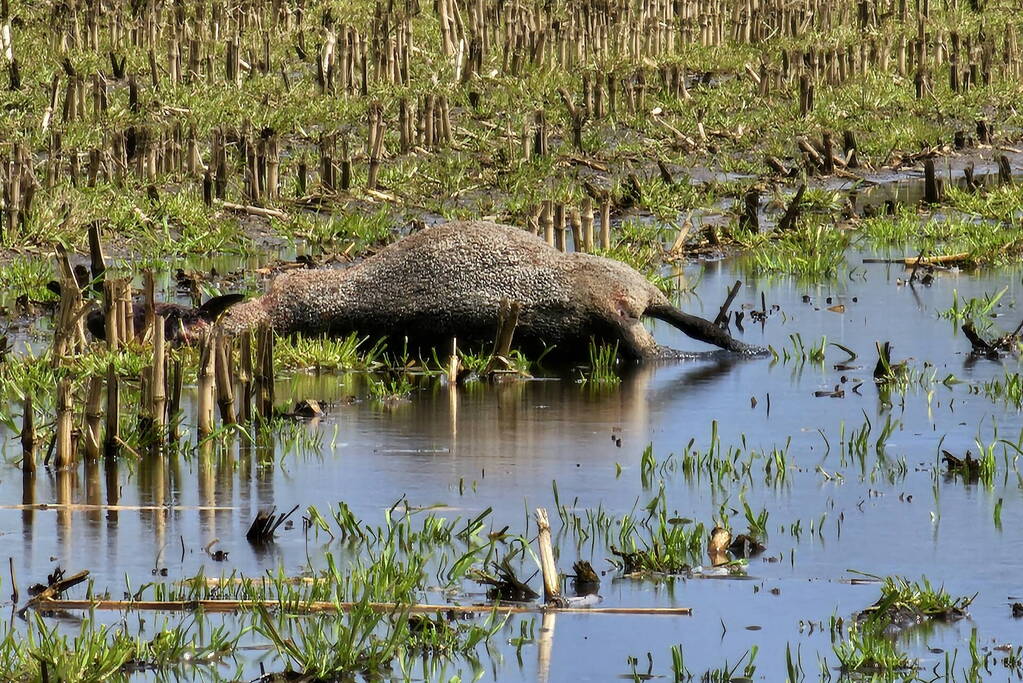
112,435
96,258
65,424
264,372
941,259
508,320
549,568
93,419
453,363
722,316
265,524
55,589
207,385
149,310
69,330
587,224
791,215
124,310
111,314
225,378
28,436
222,606
547,220
932,187
174,401
245,376
158,380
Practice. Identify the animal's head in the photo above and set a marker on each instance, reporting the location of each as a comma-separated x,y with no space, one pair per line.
623,297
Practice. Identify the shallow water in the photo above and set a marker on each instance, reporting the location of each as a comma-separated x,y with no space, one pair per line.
503,446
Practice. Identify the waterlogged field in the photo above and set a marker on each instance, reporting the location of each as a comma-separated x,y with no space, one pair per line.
411,499
846,507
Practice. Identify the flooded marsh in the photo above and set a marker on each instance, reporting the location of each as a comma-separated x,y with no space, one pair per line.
831,188
843,485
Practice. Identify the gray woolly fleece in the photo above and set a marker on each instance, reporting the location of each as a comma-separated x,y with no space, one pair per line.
448,281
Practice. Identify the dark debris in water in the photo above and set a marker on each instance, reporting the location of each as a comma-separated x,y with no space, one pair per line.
266,524
504,584
968,467
585,581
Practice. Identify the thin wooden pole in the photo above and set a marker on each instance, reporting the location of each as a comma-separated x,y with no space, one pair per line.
222,606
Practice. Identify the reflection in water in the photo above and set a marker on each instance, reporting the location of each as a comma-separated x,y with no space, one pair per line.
513,439
66,485
28,513
546,646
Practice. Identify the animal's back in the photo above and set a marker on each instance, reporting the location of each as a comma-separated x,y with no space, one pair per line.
446,280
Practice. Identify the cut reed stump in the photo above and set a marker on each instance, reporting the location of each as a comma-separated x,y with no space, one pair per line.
791,215
551,578
265,524
932,186
721,320
207,386
28,436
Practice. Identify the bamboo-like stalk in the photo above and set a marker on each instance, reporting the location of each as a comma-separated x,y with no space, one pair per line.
207,386
174,401
110,314
158,378
65,422
225,379
96,257
549,568
124,310
245,376
149,294
28,436
264,373
93,418
69,331
587,225
112,433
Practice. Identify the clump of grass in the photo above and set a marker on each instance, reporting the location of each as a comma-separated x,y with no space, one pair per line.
666,200
26,277
1008,389
639,243
670,546
868,650
602,364
983,240
298,352
974,310
334,646
743,670
1003,203
100,651
903,601
391,388
810,252
336,230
